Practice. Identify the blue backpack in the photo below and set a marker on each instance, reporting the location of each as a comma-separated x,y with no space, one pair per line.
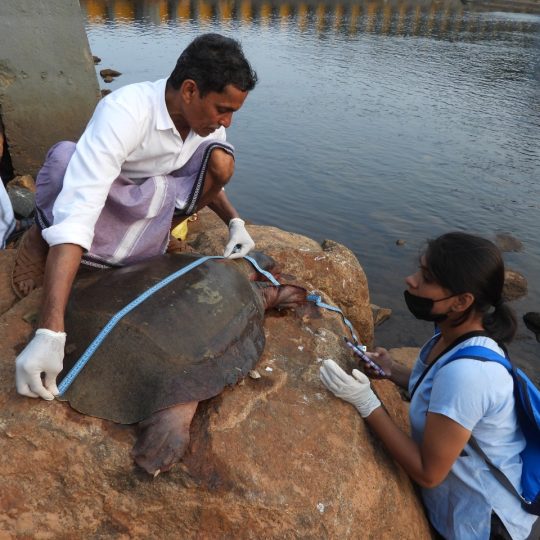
527,397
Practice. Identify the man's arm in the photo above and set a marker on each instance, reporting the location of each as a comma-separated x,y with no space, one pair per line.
223,207
45,353
63,262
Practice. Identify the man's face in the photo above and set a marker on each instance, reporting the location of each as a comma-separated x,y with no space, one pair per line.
206,114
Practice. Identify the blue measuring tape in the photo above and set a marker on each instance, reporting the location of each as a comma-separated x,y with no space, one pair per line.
317,300
83,360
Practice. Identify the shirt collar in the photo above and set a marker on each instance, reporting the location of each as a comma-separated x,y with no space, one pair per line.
163,120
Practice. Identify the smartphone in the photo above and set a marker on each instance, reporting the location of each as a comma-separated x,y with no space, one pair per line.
363,356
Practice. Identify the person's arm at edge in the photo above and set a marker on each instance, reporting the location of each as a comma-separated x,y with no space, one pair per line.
427,464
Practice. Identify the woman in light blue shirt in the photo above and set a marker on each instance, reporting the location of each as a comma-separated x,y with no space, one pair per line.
458,286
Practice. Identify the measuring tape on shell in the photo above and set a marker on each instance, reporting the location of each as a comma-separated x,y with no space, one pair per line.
98,340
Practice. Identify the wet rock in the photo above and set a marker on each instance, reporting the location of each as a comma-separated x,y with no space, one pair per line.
265,457
109,73
105,92
22,200
515,285
380,314
506,242
96,59
400,242
532,322
24,181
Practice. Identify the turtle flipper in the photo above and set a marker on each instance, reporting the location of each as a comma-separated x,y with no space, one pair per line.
163,438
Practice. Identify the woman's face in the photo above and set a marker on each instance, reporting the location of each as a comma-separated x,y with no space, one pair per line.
423,284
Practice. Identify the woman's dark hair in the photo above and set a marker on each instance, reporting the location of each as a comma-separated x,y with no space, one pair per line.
213,61
462,263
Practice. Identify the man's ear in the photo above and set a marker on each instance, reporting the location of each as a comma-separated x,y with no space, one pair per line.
189,90
463,302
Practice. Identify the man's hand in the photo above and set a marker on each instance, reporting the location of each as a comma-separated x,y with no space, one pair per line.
238,236
44,354
356,389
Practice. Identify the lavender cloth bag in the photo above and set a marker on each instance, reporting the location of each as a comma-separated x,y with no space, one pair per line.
135,221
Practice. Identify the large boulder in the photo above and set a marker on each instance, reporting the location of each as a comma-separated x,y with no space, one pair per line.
273,457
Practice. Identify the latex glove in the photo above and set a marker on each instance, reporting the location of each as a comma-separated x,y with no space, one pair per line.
238,236
356,389
45,353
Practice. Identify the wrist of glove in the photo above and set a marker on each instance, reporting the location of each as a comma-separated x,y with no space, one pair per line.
355,389
240,242
44,354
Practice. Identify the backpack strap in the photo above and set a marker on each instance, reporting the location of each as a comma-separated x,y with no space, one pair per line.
477,352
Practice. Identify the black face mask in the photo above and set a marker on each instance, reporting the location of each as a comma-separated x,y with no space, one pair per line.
421,307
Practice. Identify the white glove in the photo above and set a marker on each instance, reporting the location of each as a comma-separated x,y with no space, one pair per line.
238,236
355,389
45,353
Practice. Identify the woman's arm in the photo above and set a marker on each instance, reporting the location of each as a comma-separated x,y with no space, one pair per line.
429,463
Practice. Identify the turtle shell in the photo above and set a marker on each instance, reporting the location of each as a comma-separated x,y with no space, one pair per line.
186,342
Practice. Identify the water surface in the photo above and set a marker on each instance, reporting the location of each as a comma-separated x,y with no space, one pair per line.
372,122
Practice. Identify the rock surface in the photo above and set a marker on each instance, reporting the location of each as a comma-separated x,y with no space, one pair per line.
22,200
506,242
380,314
532,322
273,457
515,285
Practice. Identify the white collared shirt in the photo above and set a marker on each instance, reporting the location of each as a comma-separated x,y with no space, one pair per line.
131,133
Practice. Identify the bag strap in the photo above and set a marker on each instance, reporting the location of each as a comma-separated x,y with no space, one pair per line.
426,371
497,473
478,352
437,361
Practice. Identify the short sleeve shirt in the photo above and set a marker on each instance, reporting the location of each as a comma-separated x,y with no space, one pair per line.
478,395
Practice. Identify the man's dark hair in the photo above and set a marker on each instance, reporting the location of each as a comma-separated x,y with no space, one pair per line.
213,61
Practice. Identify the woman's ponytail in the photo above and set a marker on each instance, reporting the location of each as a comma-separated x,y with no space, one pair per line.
501,323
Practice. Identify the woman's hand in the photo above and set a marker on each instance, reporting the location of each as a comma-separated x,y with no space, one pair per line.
393,371
382,358
355,389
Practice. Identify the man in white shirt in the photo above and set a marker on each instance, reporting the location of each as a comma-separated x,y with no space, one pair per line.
148,149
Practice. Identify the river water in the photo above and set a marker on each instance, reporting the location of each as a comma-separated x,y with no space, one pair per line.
372,122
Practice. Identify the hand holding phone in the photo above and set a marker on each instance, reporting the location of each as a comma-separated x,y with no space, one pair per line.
366,359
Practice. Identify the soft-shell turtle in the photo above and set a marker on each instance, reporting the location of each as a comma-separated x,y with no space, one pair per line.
182,345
